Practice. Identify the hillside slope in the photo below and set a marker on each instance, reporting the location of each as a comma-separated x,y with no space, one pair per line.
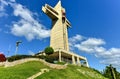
72,72
25,70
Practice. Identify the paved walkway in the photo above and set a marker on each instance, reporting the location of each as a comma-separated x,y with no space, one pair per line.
39,73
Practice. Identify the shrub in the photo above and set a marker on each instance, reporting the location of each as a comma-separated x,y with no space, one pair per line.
17,57
61,63
49,50
49,59
41,56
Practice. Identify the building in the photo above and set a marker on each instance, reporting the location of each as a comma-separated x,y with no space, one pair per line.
59,35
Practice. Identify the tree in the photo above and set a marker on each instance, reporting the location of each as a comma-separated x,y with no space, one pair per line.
2,58
111,72
49,50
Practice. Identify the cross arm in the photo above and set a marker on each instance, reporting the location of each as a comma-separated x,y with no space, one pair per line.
68,23
48,10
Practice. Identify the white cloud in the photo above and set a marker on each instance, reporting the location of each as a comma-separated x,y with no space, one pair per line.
100,49
75,39
111,57
95,46
23,12
109,54
3,4
86,48
27,26
88,45
93,42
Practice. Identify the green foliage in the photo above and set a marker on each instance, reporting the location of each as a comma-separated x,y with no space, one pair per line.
49,59
109,73
96,70
22,71
49,50
61,63
25,70
41,56
17,57
71,72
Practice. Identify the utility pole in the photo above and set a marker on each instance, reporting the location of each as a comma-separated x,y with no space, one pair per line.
17,45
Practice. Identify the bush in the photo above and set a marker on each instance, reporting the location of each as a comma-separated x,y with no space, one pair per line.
17,57
49,59
49,50
61,63
41,56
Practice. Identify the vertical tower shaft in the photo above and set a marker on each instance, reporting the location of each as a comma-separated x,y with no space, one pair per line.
59,34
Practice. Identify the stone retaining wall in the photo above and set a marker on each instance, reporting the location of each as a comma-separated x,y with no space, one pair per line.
2,63
9,64
55,66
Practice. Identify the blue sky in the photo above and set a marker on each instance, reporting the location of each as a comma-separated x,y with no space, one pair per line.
94,33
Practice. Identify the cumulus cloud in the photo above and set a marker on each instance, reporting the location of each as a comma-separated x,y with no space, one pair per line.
111,56
90,45
3,4
95,46
75,39
93,42
27,26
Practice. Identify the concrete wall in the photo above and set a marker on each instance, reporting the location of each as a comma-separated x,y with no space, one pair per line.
2,63
9,64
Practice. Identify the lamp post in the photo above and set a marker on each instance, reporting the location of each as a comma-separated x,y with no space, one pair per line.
17,45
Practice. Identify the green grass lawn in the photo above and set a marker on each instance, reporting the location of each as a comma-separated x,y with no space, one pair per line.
25,70
71,73
21,71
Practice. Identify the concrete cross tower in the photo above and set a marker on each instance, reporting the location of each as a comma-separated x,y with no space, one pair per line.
60,24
